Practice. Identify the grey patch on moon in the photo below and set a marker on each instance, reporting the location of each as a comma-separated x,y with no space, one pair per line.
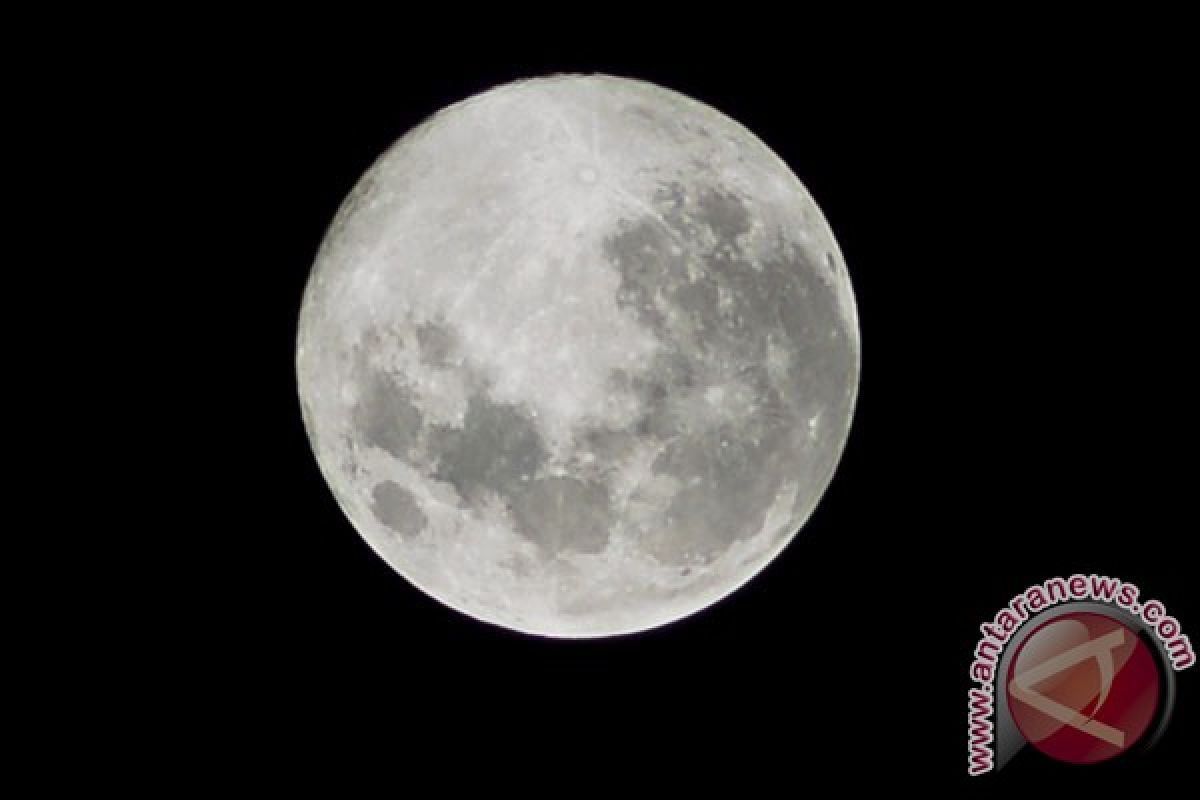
724,214
681,407
385,414
395,508
564,514
498,448
435,342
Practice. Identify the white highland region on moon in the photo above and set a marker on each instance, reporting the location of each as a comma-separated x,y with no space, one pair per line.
578,356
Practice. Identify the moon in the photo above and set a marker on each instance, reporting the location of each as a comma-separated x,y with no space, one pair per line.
578,356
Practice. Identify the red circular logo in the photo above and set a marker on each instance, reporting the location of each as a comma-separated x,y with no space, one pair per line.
1083,688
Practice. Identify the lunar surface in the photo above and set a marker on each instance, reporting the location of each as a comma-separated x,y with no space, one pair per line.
578,356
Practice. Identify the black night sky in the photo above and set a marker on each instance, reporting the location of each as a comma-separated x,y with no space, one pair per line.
1007,208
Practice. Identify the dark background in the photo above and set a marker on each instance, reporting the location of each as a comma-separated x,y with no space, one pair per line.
1012,207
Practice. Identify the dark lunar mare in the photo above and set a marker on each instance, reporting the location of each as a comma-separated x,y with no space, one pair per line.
395,507
731,472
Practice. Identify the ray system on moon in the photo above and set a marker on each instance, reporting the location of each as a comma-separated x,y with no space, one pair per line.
578,356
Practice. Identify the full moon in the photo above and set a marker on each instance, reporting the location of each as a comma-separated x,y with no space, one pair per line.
578,356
